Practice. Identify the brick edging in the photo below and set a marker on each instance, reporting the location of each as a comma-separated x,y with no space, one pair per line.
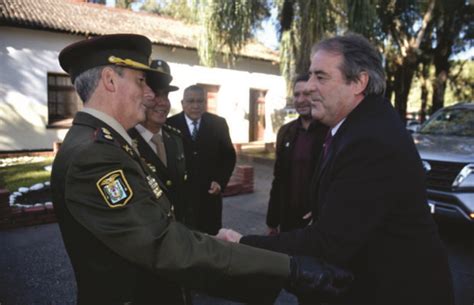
14,217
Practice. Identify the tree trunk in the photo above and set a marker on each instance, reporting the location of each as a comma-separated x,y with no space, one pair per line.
453,14
439,87
403,78
424,80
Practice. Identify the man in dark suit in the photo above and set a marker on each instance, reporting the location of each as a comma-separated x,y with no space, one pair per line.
115,219
369,190
161,148
210,157
298,146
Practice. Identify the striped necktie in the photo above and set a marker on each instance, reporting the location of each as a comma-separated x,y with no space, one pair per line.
327,143
194,132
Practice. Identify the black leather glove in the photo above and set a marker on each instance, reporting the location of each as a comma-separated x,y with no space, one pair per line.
309,276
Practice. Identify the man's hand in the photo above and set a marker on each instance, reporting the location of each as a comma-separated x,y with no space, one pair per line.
273,231
311,277
215,188
229,235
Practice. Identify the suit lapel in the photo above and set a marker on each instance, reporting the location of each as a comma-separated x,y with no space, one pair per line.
171,153
203,126
183,126
149,155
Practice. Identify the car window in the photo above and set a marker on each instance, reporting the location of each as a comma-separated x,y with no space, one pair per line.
453,122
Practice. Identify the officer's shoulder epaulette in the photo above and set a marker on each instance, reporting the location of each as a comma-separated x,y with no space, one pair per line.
172,129
104,135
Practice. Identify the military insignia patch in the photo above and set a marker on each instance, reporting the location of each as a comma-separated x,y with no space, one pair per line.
115,189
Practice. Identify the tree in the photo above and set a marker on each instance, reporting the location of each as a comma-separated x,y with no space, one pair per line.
399,20
412,35
227,26
454,17
178,9
124,3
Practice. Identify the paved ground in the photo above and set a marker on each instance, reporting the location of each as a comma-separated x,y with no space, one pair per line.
35,270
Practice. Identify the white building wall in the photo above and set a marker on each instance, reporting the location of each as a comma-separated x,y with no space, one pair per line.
26,56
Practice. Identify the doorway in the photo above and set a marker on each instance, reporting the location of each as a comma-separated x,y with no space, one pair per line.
257,115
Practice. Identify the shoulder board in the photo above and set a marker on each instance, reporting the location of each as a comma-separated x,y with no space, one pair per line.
104,135
172,129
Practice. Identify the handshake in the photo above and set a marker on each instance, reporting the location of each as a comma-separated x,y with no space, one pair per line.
308,275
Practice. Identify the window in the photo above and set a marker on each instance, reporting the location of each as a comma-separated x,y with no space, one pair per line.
63,101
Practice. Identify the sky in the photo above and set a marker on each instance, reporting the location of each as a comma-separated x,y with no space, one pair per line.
268,34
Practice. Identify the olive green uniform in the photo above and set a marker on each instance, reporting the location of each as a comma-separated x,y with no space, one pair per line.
116,222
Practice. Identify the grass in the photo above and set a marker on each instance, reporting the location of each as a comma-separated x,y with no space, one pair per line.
27,174
258,152
24,175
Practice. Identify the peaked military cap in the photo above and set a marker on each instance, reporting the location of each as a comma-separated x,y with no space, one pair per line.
126,50
157,83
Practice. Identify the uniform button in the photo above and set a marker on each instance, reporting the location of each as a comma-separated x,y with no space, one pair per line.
169,183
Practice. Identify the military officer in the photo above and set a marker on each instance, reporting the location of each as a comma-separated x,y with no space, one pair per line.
161,148
114,217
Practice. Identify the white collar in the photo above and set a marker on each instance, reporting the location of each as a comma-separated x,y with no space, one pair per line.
145,133
109,121
336,128
190,124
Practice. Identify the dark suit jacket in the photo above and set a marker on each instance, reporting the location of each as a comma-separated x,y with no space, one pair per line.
373,214
281,212
115,225
210,158
173,175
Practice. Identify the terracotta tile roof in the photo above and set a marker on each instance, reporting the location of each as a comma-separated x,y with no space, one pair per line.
93,19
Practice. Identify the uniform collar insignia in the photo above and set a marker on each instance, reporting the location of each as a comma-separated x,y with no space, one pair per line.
128,149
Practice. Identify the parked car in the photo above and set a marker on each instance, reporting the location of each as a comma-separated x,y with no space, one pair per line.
446,146
413,126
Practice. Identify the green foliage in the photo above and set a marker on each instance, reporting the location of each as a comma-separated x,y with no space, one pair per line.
461,82
413,36
123,3
25,175
179,9
302,24
228,25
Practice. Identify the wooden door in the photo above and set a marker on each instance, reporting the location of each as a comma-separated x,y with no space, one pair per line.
257,115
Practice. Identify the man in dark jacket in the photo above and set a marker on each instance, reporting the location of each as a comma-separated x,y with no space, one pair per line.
368,192
298,146
210,157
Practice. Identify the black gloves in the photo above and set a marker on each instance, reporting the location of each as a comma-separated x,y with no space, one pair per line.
309,276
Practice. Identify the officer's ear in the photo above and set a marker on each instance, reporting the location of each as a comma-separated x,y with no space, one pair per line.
108,79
